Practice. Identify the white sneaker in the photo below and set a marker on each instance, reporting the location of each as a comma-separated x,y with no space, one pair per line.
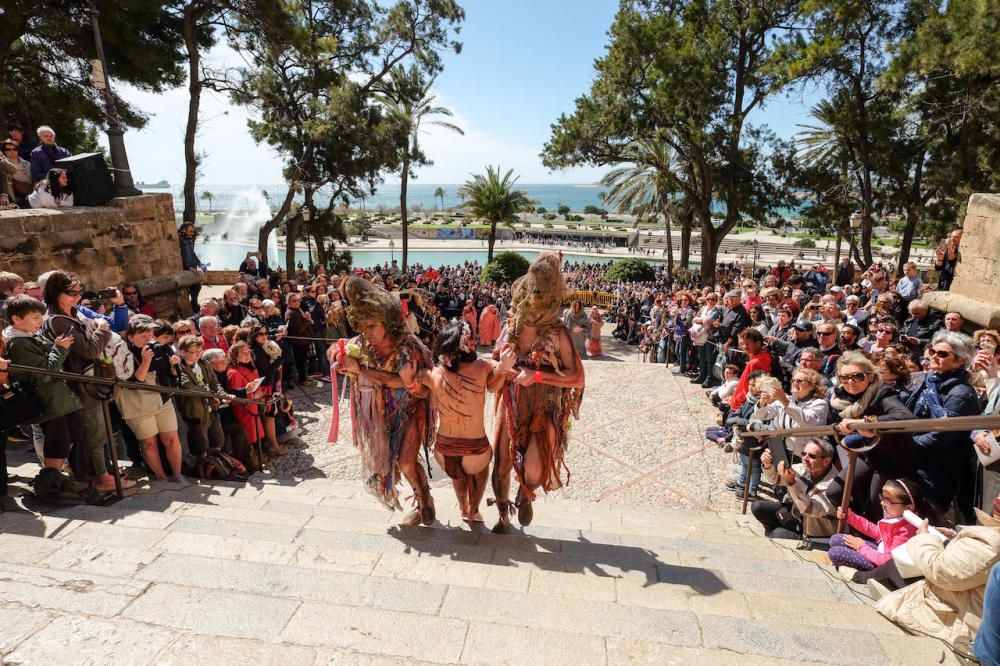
846,573
179,479
877,589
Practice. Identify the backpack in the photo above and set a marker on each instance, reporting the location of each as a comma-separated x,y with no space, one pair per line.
778,370
219,466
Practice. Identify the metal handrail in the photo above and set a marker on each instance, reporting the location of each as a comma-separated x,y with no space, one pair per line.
941,424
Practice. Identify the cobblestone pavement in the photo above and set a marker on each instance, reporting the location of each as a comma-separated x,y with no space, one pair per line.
640,443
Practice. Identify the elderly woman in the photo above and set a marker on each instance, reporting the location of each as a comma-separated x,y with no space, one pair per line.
578,325
242,375
861,396
944,459
807,406
984,367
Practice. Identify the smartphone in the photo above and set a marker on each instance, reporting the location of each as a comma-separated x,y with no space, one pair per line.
988,346
107,294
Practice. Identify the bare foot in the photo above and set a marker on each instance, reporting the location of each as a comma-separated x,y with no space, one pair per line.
475,517
412,519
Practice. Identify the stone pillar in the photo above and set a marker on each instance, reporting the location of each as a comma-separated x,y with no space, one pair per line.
975,292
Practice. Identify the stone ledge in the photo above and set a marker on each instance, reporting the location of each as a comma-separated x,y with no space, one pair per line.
978,312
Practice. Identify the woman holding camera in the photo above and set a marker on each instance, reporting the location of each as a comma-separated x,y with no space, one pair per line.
150,415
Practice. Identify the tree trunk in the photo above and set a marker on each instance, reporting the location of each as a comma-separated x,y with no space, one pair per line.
670,251
491,241
194,102
402,208
836,255
322,255
274,222
687,222
913,217
292,228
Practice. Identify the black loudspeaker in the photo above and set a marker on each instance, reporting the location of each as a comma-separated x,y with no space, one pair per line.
91,180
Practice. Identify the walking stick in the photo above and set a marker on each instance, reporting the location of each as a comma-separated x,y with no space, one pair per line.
845,502
113,446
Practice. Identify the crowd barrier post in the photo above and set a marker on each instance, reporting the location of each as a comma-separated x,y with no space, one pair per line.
113,447
845,502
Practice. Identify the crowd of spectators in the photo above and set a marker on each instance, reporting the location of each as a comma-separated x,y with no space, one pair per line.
29,177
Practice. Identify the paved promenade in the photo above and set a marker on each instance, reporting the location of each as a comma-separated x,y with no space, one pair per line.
640,559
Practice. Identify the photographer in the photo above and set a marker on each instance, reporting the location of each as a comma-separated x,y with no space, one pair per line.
150,415
204,427
806,511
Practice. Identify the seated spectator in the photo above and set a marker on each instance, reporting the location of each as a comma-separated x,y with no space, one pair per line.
954,321
885,333
987,645
721,394
53,192
211,336
807,406
807,511
860,396
920,327
46,153
945,457
151,416
17,172
744,445
25,144
135,302
851,554
11,284
208,308
949,602
853,314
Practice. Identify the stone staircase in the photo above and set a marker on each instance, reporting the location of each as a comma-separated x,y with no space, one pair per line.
313,571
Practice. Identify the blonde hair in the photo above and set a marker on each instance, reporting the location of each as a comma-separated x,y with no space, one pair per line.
814,378
767,382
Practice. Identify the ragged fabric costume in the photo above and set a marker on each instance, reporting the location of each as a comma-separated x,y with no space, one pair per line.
540,409
386,423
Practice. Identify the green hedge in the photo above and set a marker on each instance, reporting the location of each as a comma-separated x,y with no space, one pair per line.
505,267
630,270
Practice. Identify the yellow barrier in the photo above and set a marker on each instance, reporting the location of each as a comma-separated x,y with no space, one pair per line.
600,298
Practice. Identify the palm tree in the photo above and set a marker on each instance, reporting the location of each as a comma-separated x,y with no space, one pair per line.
646,188
439,194
494,199
408,98
209,197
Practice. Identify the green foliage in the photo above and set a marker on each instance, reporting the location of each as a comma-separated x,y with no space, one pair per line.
492,197
563,209
504,267
630,270
541,210
804,242
549,216
592,210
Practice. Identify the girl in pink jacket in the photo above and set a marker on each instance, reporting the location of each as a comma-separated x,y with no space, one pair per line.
851,554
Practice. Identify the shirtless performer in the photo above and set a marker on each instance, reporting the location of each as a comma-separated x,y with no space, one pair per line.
534,407
389,424
458,388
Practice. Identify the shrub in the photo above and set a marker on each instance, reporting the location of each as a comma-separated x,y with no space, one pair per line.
571,226
630,270
804,242
550,216
541,210
592,210
505,267
574,218
547,225
563,209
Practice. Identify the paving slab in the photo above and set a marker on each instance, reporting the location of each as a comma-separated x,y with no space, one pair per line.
37,587
488,643
87,640
17,624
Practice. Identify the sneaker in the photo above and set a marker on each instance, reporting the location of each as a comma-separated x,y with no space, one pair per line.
733,483
740,495
846,573
697,380
179,479
877,589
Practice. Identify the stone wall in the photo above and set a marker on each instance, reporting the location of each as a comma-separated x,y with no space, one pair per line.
975,291
131,240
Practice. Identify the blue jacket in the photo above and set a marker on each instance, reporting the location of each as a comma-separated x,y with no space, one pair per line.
44,158
188,256
118,320
944,456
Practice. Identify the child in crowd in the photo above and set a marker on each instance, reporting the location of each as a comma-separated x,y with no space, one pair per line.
758,382
851,554
720,395
60,417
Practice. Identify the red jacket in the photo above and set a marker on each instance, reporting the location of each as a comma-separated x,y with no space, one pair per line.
218,343
760,361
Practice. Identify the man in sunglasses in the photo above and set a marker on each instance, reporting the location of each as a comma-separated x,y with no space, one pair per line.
135,302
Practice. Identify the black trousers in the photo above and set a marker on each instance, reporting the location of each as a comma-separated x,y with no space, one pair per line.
777,519
4,479
301,355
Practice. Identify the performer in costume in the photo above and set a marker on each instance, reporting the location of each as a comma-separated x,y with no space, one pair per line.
534,407
389,424
458,388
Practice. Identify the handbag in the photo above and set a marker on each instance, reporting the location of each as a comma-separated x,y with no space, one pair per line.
17,406
719,367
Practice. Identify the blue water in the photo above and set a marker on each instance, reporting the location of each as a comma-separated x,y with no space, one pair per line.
227,255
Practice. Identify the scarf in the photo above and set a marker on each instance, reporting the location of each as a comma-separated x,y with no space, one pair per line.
853,407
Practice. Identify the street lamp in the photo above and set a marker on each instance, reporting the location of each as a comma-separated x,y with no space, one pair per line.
856,220
392,249
124,185
306,215
753,270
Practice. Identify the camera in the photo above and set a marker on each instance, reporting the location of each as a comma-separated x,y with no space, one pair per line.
161,351
756,425
107,294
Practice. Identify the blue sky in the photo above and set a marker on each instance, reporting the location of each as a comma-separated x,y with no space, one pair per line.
522,64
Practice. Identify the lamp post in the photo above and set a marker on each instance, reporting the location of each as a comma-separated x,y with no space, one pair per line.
392,249
124,185
753,270
856,219
306,216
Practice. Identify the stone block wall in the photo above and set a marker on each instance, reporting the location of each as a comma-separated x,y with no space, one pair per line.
975,292
131,240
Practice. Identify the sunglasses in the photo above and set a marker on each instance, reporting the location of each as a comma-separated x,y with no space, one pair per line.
800,381
885,331
856,377
941,353
809,456
73,292
130,293
824,334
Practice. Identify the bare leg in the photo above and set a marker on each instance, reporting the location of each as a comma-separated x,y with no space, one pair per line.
409,465
173,446
151,454
502,467
478,467
54,463
271,433
458,485
532,479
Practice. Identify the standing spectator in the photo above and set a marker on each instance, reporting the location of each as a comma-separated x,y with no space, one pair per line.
908,286
242,375
189,259
232,312
578,326
596,324
211,336
759,360
53,192
489,325
46,153
11,284
204,428
18,173
135,302
946,258
25,144
300,325
954,321
725,332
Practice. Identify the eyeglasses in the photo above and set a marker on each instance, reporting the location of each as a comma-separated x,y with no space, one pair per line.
941,353
823,334
856,377
889,500
799,380
10,150
885,331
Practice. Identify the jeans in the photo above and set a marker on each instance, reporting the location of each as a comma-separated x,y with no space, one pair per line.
704,364
683,348
754,472
987,646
